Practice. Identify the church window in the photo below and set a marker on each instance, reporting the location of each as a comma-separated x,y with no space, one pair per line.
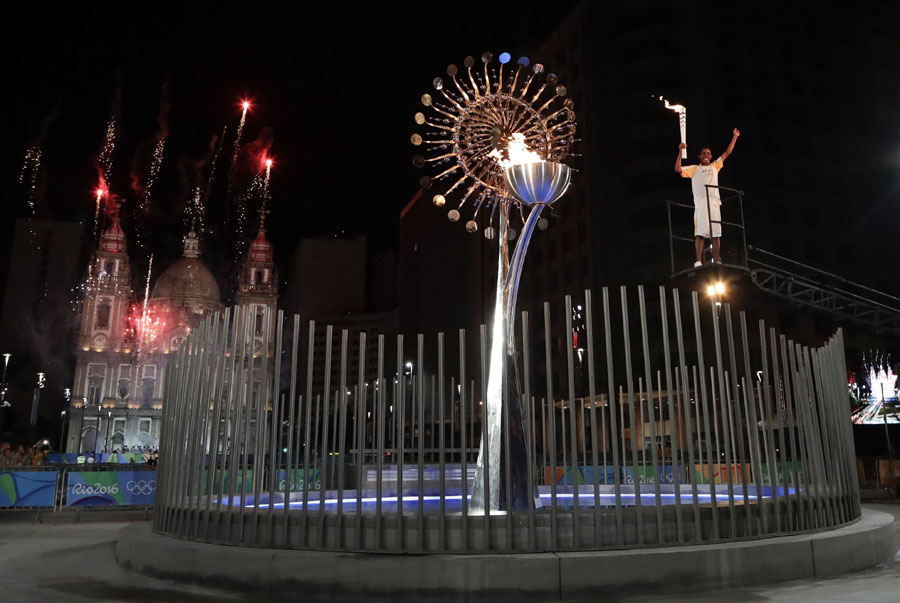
123,389
259,277
118,425
95,391
147,388
110,267
103,315
144,425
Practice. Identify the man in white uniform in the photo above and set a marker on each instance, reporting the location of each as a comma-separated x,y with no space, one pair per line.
707,173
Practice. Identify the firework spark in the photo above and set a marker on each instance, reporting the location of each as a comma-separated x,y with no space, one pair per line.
109,149
28,175
101,192
245,105
266,191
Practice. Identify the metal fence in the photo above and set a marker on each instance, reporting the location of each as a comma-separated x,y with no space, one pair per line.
677,425
58,486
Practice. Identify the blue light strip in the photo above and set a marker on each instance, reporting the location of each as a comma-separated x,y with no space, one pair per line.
564,495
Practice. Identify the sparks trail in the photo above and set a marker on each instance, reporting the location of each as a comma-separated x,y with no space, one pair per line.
144,327
217,145
101,192
28,175
245,105
109,148
195,212
267,196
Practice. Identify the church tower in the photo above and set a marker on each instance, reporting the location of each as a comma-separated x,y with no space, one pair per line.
258,283
103,369
108,292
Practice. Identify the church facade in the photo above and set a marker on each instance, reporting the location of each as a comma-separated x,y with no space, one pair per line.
124,344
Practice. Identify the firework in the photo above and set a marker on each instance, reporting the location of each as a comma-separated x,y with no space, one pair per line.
213,161
100,192
266,193
155,166
109,148
28,175
245,105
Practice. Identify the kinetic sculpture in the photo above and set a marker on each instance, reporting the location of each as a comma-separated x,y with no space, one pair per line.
500,135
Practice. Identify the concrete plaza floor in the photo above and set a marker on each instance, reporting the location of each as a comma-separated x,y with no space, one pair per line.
65,562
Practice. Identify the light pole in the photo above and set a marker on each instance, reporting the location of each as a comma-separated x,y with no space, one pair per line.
35,402
67,396
3,403
108,421
81,425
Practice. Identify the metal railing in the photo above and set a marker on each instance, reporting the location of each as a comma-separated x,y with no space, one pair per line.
738,253
692,431
58,486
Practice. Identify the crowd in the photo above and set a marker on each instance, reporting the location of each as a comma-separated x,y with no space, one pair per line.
36,454
22,455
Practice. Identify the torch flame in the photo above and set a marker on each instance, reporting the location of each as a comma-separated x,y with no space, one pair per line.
519,153
675,108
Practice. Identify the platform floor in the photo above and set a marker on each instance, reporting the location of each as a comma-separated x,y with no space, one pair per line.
64,562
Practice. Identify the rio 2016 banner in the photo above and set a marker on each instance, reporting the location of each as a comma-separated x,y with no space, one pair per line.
27,488
313,480
110,488
606,475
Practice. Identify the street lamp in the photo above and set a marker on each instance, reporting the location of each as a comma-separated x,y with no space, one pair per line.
108,421
67,396
3,403
35,402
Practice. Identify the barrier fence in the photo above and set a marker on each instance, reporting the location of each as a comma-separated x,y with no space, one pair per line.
675,425
56,487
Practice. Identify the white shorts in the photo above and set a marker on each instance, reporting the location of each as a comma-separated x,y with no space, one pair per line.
702,220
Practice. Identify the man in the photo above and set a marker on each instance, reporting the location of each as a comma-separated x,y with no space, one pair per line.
707,173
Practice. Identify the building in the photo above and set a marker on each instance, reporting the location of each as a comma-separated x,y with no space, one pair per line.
125,341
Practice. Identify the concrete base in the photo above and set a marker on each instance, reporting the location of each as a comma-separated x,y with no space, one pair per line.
543,576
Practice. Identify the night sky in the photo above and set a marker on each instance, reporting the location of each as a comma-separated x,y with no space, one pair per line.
333,95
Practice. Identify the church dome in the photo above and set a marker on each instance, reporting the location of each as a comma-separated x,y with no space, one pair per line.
188,283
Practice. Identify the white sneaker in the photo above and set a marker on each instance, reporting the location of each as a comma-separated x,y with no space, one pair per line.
697,264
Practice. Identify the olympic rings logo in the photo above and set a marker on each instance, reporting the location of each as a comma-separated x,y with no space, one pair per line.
144,487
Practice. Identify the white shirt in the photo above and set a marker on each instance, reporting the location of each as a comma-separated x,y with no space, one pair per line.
700,176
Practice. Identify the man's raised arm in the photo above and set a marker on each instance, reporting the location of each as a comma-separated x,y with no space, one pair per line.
730,149
678,157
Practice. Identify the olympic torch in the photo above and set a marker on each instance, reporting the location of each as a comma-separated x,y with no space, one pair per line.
681,110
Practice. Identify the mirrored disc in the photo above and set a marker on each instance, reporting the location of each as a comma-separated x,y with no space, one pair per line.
560,91
538,68
420,118
425,182
471,226
486,57
451,70
415,139
469,62
438,83
438,200
426,100
505,57
543,224
418,161
453,215
524,62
